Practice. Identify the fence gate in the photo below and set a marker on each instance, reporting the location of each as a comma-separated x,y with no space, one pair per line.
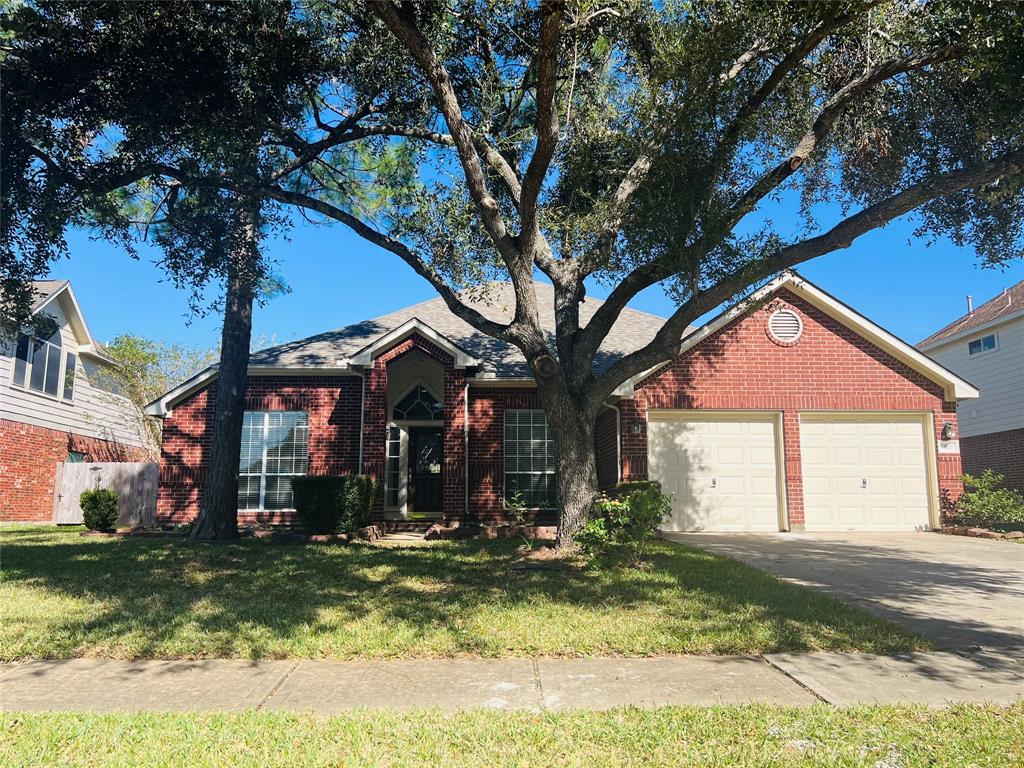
135,483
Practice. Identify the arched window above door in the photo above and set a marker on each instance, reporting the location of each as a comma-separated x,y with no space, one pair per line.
418,405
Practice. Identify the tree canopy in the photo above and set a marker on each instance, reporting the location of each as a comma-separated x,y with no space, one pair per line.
630,142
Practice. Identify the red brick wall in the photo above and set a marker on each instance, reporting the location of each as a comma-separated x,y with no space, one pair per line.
487,408
333,405
376,419
1002,451
830,368
29,456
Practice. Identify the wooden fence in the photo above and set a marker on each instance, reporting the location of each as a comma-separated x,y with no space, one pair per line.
135,484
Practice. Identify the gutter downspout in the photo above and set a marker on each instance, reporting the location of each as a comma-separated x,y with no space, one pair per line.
465,453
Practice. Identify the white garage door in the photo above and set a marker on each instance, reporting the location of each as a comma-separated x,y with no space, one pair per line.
721,472
863,475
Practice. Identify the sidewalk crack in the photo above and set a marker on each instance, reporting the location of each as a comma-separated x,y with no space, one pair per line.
277,686
818,691
537,683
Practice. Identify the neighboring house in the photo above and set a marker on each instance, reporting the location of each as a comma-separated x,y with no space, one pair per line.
986,347
788,412
57,404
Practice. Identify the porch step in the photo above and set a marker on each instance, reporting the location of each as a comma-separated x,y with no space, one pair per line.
408,526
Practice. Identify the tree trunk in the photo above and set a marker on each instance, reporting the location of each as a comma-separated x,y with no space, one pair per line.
572,428
218,505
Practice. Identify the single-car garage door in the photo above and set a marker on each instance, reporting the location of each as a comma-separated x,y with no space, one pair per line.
863,473
720,469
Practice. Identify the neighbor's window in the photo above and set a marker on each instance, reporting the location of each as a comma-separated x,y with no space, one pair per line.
38,365
529,459
984,344
275,448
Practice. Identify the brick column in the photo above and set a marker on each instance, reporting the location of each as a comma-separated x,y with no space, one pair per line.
375,419
794,470
454,472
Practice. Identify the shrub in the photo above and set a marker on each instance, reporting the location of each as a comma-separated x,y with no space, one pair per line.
624,524
359,494
320,502
985,502
99,508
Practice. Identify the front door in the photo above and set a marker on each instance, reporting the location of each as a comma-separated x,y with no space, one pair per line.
425,459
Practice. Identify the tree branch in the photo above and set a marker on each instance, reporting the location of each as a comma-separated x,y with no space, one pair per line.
830,112
547,119
406,254
666,343
436,73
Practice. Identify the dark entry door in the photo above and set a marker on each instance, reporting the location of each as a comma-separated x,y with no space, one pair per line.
425,459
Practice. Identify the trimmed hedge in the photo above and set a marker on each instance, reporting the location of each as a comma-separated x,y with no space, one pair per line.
99,508
333,503
319,502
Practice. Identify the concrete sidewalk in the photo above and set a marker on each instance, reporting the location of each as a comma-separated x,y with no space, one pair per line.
533,684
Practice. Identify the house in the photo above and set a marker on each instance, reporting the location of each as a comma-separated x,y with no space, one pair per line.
789,411
58,404
986,347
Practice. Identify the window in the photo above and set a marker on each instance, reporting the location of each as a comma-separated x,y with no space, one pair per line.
37,365
69,375
984,344
393,474
76,457
275,448
529,459
419,405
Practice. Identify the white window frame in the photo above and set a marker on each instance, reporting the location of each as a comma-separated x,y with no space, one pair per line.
505,473
263,463
980,339
62,355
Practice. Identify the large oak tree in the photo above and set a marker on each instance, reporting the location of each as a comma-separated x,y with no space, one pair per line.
641,144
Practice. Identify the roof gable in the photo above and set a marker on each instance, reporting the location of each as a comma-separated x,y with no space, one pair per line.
48,292
954,387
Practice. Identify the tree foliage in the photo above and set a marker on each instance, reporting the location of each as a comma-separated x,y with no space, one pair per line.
625,141
146,369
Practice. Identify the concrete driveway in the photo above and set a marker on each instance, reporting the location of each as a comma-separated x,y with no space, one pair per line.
961,593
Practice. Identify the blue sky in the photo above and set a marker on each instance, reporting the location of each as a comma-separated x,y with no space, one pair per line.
337,279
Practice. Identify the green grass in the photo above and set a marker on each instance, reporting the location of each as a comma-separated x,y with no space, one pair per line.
62,596
670,736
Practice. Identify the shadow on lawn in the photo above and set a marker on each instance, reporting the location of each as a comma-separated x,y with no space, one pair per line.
259,600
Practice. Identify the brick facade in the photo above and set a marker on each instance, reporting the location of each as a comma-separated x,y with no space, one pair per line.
831,368
1002,451
375,421
739,367
29,456
333,404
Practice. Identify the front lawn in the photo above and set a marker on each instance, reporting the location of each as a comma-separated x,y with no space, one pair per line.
736,736
62,595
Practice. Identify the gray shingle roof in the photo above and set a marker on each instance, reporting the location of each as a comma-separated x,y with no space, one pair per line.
44,289
501,360
1006,303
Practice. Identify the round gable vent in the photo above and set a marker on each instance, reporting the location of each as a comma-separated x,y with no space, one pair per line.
785,326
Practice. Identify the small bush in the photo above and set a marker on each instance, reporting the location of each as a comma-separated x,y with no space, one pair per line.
625,524
99,509
359,494
320,502
986,503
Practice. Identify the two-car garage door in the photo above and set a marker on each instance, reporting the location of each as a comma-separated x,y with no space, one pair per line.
724,470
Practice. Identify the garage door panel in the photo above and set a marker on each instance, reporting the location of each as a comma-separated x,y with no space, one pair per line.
723,472
868,474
